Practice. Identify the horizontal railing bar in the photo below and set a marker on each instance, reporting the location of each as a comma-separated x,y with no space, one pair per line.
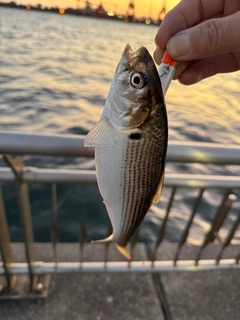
203,152
73,145
121,266
33,175
68,145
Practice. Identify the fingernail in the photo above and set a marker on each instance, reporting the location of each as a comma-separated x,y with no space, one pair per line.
157,55
179,45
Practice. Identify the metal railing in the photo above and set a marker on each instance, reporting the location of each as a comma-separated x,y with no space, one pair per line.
14,145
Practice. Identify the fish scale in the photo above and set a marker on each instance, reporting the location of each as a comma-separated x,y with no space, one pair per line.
148,182
130,143
130,194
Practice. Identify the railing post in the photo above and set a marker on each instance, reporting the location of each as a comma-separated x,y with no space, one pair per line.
185,233
218,220
17,166
161,232
230,235
82,239
5,247
54,229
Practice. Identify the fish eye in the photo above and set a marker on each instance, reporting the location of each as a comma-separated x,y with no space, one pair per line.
138,80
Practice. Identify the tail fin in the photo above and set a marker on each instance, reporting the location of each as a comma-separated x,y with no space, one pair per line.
108,239
124,251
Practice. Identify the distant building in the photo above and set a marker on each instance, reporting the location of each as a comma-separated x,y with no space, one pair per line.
100,12
88,11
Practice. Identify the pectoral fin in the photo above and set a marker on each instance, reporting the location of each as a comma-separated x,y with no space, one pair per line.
100,134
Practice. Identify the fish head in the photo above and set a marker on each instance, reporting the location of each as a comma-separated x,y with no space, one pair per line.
136,89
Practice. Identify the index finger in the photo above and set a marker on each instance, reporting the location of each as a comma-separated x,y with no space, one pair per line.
185,15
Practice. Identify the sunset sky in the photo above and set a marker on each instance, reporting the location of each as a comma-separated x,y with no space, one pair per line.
142,7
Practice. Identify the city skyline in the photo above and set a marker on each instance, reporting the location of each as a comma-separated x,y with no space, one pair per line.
143,8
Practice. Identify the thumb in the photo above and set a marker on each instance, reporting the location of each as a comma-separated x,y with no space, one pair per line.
207,39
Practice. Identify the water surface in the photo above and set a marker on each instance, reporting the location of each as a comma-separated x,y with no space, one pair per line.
56,71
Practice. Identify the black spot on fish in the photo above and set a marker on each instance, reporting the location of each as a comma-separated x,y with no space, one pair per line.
135,136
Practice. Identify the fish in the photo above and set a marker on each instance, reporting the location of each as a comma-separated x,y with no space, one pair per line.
130,143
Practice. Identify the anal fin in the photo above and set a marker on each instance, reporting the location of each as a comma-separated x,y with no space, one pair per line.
158,193
108,239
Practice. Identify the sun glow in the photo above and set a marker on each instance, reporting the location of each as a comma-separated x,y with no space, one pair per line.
141,8
61,11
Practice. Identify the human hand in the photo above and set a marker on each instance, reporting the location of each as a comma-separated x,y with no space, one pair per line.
204,36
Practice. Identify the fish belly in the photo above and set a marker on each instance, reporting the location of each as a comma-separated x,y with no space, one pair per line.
128,175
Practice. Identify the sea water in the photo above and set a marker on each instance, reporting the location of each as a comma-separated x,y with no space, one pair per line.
55,73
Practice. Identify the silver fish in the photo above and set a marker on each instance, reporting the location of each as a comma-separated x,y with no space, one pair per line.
130,143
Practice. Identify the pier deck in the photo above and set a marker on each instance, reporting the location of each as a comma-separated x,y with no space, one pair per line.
212,294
